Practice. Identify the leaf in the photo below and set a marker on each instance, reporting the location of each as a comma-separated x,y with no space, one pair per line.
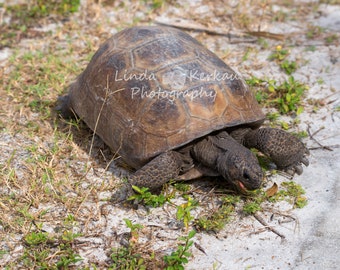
299,110
271,88
285,125
272,190
137,189
191,234
128,222
180,212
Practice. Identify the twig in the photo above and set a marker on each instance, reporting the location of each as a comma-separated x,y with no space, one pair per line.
208,194
311,136
267,226
200,248
185,25
325,147
266,34
200,28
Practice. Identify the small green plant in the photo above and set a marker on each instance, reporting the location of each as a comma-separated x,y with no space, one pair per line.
253,201
155,3
268,86
331,38
310,48
281,16
302,134
314,31
251,207
246,54
263,43
183,211
67,258
182,187
272,116
134,229
176,259
279,54
286,96
291,192
36,238
127,257
40,246
216,220
288,66
289,96
144,196
320,81
3,252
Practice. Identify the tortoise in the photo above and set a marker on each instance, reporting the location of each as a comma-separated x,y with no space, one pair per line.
173,110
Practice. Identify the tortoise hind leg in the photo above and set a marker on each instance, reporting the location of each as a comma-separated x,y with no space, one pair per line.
64,107
284,149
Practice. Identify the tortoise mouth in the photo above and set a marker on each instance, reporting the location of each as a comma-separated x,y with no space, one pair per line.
243,189
240,186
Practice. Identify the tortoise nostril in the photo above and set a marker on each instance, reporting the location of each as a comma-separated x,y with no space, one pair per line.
246,176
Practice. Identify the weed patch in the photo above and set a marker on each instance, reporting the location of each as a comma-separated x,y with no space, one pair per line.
144,196
286,97
178,258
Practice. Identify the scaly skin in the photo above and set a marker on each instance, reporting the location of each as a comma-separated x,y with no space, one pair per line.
153,175
220,153
158,171
228,157
284,149
237,164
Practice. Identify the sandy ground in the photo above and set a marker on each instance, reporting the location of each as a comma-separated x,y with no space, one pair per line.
314,244
312,238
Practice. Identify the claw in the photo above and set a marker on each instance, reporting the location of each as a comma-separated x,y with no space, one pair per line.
122,194
305,161
298,169
290,171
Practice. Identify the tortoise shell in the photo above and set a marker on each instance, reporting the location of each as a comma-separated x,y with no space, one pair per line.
150,89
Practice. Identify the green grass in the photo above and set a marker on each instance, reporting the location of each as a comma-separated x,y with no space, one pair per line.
47,252
24,16
39,8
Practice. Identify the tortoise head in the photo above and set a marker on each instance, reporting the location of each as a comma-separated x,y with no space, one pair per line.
241,168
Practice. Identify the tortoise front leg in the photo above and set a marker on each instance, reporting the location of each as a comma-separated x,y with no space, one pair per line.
284,149
158,171
154,174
